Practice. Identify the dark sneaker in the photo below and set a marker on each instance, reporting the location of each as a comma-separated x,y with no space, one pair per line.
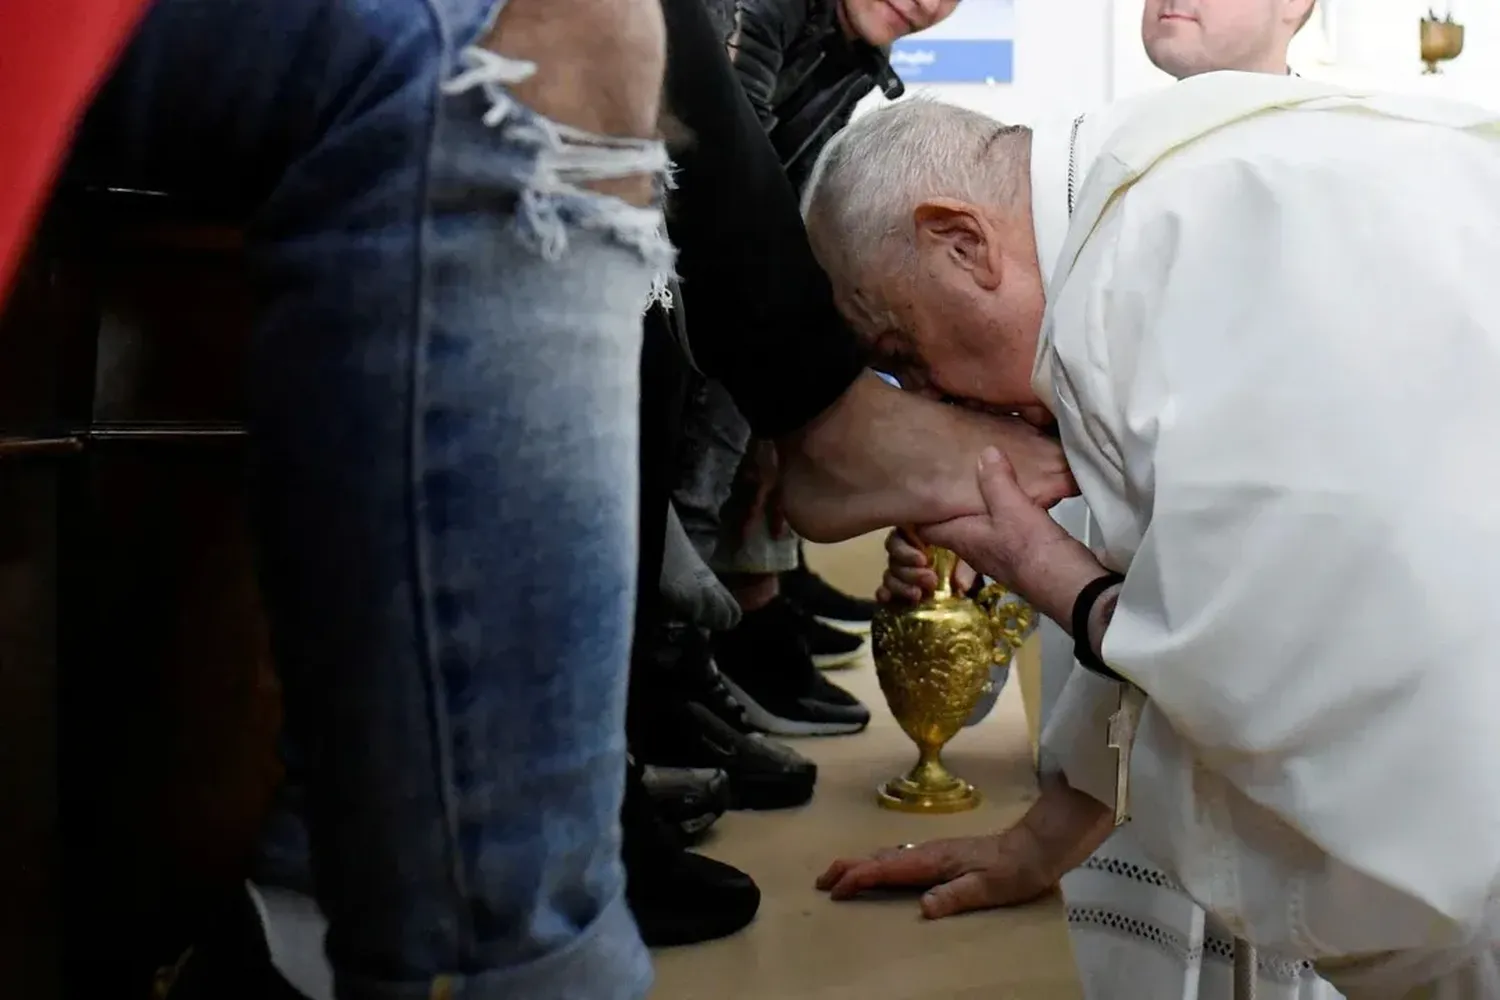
682,714
679,665
689,899
824,601
768,669
826,690
763,774
677,897
830,647
690,798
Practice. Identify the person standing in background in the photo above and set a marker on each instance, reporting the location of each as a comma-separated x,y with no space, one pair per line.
750,283
1134,932
1184,38
803,65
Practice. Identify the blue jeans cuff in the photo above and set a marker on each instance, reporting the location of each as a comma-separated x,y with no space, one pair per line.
589,968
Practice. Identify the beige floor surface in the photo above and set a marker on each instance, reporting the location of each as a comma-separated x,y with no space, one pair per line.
804,947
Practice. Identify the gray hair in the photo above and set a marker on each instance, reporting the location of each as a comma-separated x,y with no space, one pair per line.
870,178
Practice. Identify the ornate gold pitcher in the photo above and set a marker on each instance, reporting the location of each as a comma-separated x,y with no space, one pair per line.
933,660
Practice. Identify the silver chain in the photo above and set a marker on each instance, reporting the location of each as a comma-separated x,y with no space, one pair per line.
1073,163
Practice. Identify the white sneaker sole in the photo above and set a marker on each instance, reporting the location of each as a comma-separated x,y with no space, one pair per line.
828,661
853,628
295,927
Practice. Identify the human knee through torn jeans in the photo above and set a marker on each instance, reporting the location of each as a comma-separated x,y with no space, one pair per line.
444,385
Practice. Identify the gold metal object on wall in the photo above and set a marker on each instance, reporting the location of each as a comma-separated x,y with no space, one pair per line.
1442,41
933,660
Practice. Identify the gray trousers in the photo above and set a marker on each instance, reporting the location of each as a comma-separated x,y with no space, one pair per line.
710,498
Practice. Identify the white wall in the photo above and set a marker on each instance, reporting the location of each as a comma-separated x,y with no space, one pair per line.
1062,64
1072,55
1377,42
1133,72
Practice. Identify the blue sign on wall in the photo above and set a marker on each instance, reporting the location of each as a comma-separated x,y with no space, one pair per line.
955,60
976,44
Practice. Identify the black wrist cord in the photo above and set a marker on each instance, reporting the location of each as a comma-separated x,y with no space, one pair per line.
1083,610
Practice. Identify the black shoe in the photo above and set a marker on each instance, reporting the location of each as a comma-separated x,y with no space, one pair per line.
824,601
683,715
763,774
690,798
677,897
826,690
690,899
679,665
830,647
767,667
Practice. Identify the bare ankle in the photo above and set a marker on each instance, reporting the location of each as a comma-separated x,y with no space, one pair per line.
754,590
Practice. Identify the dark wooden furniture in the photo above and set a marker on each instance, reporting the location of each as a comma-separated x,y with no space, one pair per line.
138,708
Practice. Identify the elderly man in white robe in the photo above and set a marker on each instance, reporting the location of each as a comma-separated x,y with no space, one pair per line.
1133,930
1261,311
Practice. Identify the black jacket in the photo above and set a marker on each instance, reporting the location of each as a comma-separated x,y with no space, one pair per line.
760,311
803,77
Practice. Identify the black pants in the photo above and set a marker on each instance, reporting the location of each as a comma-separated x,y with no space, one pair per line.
664,384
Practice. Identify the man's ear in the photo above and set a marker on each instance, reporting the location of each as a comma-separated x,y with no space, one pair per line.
957,231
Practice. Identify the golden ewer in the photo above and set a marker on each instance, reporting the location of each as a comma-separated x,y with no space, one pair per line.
935,661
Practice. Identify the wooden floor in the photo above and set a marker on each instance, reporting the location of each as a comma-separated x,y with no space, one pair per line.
804,946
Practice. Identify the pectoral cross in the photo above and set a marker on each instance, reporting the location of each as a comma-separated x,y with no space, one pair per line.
1122,727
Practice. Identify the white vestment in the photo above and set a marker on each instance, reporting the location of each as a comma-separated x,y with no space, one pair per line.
1272,343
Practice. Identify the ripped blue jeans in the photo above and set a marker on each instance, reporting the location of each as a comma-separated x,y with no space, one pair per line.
444,394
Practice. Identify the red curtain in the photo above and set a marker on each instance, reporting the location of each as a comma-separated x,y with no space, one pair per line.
53,54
